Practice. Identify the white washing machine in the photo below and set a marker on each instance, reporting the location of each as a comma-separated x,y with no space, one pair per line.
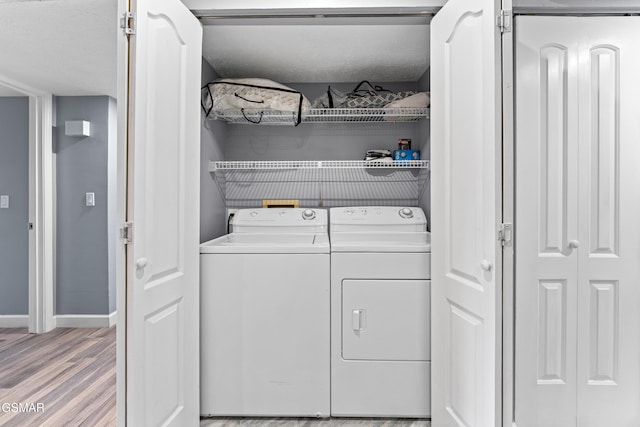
380,312
265,306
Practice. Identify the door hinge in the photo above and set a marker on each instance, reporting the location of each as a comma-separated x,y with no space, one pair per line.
503,21
128,23
126,232
505,234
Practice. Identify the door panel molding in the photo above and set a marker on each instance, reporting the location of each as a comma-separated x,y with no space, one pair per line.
604,332
552,331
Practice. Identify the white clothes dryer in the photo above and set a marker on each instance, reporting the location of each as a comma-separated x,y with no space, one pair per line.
265,316
380,312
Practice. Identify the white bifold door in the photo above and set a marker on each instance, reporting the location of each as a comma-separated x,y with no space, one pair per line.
466,141
163,204
577,221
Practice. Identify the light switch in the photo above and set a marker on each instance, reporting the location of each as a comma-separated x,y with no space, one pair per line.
90,199
4,201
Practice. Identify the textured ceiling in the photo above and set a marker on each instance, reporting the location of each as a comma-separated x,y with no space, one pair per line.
66,47
5,91
319,50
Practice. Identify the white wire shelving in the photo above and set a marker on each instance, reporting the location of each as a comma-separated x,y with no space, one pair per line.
220,166
323,182
322,115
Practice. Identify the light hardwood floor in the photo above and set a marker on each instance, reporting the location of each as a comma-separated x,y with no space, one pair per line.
312,422
71,372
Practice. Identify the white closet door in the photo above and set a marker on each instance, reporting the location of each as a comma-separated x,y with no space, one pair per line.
577,102
609,254
466,208
163,203
546,222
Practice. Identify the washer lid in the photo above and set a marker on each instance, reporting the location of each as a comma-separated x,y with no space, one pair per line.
267,243
377,219
280,220
402,242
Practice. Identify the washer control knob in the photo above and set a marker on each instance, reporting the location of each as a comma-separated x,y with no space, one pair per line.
253,213
308,214
406,213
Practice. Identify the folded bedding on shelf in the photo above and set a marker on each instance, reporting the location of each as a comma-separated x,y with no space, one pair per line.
253,97
418,100
367,95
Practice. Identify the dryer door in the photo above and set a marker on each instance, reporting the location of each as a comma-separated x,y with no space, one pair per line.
386,320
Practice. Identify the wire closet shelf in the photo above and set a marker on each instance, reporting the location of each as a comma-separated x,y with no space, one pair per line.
322,182
322,115
221,166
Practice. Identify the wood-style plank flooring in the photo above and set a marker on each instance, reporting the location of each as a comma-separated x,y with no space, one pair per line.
313,422
68,374
72,374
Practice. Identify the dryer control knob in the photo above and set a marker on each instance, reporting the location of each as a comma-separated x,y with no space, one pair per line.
308,214
406,213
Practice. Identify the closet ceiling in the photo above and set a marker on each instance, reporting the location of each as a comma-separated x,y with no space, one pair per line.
66,47
319,50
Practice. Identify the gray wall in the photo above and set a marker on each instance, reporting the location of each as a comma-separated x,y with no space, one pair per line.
83,266
334,141
213,133
14,182
326,141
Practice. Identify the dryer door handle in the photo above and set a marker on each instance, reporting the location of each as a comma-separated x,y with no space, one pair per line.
359,319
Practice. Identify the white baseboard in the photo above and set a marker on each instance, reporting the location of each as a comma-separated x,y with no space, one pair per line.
14,321
85,320
64,320
113,319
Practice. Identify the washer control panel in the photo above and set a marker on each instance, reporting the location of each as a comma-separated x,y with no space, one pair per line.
273,220
383,218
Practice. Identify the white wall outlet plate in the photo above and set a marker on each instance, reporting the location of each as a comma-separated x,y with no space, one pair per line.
4,201
90,199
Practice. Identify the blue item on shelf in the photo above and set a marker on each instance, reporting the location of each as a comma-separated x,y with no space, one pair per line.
406,155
